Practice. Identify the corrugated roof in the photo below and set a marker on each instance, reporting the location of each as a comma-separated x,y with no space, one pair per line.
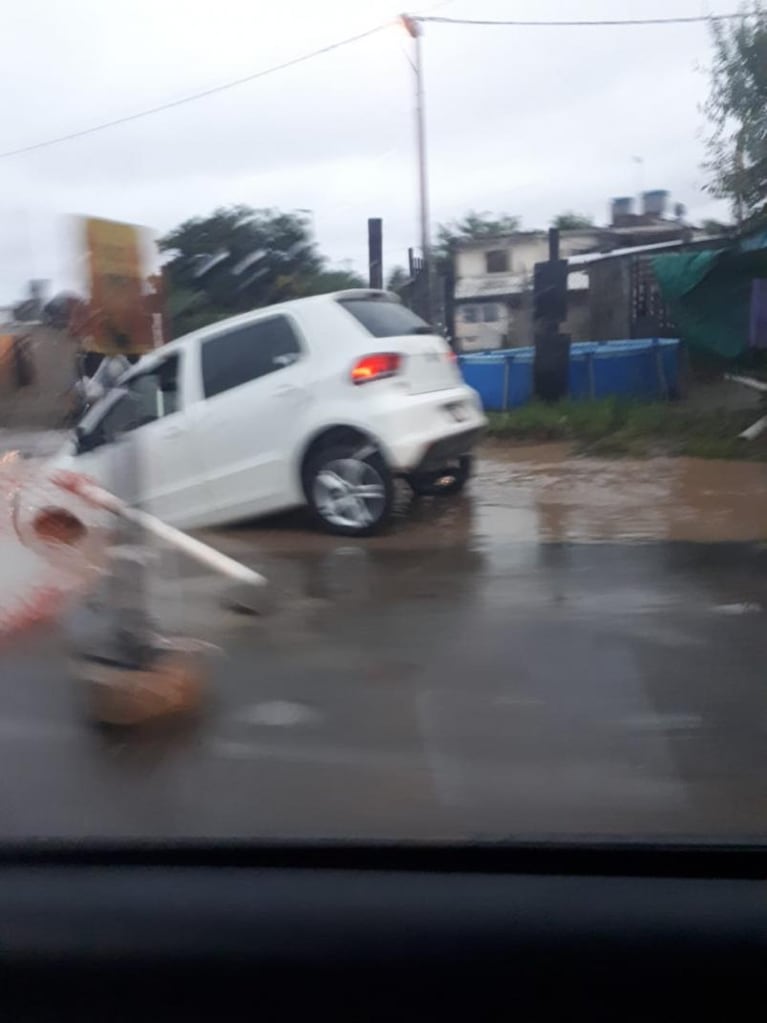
637,250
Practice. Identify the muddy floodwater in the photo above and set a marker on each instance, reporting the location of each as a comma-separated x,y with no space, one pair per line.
520,494
542,492
547,654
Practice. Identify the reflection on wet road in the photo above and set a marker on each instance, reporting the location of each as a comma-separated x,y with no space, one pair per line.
540,493
550,654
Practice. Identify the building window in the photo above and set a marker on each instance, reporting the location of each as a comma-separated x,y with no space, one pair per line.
470,314
490,312
497,261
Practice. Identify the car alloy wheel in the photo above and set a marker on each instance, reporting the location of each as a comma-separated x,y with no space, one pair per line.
349,488
349,493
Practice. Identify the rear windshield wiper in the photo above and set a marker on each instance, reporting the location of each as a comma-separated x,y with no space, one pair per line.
425,329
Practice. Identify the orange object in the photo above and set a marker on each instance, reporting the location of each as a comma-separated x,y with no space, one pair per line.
57,525
119,320
171,686
52,546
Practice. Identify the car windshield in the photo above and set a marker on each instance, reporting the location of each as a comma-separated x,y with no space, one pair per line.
383,422
384,318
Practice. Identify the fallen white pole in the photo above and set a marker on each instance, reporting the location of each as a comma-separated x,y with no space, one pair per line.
755,430
201,552
752,382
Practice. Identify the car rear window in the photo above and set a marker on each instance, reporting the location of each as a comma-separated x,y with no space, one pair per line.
383,318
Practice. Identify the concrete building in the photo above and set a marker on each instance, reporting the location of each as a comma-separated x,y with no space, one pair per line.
494,276
493,286
624,297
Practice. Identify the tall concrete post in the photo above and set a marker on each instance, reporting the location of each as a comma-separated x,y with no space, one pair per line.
415,31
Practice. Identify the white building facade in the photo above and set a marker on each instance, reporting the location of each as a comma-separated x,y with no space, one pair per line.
494,281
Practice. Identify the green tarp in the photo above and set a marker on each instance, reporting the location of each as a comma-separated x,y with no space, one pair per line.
708,293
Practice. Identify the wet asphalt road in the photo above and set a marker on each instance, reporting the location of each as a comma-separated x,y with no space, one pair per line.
474,675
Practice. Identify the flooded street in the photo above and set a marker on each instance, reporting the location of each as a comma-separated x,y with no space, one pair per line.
542,493
573,646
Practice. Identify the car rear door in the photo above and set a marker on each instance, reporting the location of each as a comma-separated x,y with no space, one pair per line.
254,388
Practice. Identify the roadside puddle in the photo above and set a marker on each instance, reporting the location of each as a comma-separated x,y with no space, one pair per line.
542,492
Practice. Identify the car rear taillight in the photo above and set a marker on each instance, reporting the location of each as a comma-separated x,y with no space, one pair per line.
376,367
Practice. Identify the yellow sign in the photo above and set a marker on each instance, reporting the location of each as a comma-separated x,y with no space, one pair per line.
119,320
6,358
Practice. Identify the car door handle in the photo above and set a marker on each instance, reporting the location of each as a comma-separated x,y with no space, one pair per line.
172,431
288,391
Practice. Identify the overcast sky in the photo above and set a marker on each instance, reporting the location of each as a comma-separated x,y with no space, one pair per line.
520,120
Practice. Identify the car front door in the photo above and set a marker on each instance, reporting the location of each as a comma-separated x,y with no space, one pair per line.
166,476
253,380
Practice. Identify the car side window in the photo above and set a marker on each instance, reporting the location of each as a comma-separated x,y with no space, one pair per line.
246,353
149,396
154,394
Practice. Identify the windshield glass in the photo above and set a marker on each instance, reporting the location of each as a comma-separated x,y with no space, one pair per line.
433,505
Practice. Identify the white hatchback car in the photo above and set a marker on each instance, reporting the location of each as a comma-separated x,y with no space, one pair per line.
320,401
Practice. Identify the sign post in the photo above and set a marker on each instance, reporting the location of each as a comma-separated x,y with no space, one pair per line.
131,675
120,319
552,348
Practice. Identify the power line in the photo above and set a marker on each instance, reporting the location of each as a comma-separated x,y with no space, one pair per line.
225,86
192,97
588,24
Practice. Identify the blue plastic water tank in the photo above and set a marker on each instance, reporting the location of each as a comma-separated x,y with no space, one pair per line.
503,379
645,368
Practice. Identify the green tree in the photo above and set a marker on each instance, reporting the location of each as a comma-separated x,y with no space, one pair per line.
737,112
715,227
237,259
571,221
474,225
330,280
397,279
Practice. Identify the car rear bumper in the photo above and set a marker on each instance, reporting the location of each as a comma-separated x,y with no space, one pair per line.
422,427
431,438
447,449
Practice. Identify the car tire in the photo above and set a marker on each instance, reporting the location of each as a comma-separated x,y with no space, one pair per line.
449,480
349,488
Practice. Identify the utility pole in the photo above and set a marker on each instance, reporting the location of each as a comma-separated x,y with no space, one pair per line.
414,29
375,252
552,348
639,162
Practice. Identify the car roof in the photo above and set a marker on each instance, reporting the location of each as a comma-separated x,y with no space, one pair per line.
256,314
